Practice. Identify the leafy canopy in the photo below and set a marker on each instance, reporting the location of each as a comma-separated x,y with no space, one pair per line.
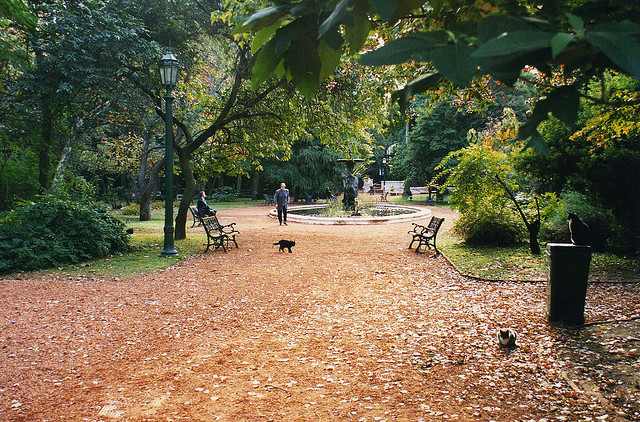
458,39
18,12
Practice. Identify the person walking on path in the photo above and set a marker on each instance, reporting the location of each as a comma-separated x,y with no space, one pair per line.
203,208
281,198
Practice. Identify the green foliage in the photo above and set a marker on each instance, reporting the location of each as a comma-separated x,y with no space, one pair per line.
18,12
18,176
574,40
223,194
130,209
75,188
311,172
57,230
489,226
486,217
598,158
440,127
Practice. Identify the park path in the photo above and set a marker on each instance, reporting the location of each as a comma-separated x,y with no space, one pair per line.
351,326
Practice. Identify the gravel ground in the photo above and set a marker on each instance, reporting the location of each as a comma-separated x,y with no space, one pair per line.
350,326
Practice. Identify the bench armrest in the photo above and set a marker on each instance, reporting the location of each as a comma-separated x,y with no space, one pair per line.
428,234
418,228
228,228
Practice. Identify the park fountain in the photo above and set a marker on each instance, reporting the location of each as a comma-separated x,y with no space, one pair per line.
350,212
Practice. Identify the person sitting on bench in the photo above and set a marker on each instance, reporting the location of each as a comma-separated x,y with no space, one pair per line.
203,208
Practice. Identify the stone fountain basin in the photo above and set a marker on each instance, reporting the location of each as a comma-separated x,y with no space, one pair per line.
416,214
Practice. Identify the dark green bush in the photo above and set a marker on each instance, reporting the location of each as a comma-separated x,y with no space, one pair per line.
130,209
490,226
57,230
223,194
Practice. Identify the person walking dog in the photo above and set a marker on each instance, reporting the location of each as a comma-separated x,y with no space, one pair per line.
281,198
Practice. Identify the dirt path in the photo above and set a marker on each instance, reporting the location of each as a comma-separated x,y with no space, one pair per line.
350,326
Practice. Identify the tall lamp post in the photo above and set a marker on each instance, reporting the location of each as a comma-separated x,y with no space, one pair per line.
169,77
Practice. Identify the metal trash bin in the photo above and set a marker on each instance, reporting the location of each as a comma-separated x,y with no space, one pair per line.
567,284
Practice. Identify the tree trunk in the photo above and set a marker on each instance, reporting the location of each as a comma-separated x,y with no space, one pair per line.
534,227
634,207
58,177
4,191
5,156
145,207
186,167
238,184
147,180
534,230
46,128
145,193
255,183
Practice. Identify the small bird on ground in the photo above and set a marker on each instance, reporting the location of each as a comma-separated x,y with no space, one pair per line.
580,231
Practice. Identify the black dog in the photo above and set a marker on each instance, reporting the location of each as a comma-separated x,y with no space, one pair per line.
288,244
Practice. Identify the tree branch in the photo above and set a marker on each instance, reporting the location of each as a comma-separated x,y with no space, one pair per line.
513,198
231,100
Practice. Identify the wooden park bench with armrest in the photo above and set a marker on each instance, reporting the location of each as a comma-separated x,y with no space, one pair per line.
219,235
426,235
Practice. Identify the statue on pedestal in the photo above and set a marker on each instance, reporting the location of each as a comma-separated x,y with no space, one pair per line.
350,186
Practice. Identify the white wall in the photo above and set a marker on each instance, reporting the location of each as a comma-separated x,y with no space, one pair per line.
397,185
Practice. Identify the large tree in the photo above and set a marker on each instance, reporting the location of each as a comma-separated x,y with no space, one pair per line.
224,116
74,54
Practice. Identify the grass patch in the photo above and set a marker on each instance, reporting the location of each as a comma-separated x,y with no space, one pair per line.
146,244
143,257
517,263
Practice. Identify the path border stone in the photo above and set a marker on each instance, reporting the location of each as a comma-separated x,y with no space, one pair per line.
526,281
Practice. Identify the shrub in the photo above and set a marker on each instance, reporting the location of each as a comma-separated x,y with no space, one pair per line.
75,188
131,209
490,226
57,230
224,194
486,214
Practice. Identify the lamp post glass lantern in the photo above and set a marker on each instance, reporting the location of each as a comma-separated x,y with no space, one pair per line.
169,70
168,77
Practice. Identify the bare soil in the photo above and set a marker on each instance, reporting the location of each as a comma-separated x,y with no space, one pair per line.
351,326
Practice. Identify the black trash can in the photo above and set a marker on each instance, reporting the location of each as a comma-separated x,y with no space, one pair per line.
567,284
